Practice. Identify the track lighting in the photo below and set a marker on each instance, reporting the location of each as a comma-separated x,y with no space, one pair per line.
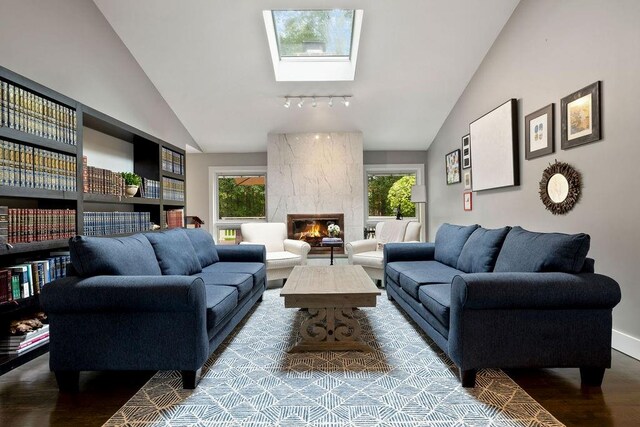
316,100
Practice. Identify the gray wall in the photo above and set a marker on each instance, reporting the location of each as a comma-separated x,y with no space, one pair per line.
69,46
547,50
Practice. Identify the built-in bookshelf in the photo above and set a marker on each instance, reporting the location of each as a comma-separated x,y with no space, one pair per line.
47,192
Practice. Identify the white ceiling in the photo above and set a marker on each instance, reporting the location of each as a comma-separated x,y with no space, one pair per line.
210,61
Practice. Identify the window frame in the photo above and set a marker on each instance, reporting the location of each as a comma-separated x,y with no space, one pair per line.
418,169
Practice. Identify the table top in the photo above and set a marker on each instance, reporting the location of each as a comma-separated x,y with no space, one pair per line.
323,286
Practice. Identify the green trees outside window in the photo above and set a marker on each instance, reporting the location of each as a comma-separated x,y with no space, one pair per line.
241,197
387,191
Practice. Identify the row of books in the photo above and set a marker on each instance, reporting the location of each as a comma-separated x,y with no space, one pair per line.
34,225
172,161
150,189
19,344
25,111
174,218
28,279
25,166
107,223
172,189
101,181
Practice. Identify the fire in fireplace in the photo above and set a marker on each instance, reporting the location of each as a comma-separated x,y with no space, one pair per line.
312,228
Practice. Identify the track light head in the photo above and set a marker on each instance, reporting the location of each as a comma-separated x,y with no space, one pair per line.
314,104
300,103
331,102
287,102
345,101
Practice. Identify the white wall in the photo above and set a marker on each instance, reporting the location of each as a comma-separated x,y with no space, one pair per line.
68,46
547,50
107,152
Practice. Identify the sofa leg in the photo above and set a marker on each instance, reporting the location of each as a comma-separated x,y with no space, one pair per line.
468,377
591,376
68,381
190,379
389,297
261,298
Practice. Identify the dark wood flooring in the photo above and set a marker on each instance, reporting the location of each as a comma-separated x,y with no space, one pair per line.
29,396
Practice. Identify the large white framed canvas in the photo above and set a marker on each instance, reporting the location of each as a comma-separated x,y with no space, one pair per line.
494,144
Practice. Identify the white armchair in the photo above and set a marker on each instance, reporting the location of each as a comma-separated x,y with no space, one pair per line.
368,252
282,254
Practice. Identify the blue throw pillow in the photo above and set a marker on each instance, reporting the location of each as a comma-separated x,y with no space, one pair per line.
480,252
115,256
204,246
174,252
526,251
450,240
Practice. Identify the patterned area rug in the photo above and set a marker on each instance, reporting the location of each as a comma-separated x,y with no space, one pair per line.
251,380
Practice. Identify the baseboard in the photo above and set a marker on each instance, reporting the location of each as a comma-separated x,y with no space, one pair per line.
626,344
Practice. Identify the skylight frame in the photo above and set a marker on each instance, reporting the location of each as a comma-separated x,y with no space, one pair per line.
317,68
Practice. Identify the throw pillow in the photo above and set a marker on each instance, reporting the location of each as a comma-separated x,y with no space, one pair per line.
174,252
526,251
481,250
450,240
119,256
204,246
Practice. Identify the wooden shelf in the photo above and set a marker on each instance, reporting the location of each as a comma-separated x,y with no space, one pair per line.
172,175
10,306
120,200
43,245
173,203
9,362
37,193
49,144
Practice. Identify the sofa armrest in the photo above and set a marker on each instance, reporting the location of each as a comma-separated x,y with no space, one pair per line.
242,253
358,246
297,247
124,294
486,291
408,252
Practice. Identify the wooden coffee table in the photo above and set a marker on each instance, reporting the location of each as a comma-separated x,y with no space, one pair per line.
330,293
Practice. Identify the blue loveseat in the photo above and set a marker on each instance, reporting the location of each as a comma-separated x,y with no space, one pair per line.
506,298
152,301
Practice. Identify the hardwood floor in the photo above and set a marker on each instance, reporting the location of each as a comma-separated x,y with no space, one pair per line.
29,396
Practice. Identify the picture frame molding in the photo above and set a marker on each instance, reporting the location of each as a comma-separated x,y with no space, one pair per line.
549,111
596,123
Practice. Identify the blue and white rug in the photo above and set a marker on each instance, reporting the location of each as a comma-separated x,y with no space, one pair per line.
251,380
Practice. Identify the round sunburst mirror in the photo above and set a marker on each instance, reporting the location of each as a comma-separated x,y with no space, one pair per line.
560,188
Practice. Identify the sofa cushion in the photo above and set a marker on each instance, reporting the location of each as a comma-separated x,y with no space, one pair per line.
481,250
256,269
221,300
526,251
413,274
240,281
437,299
174,252
115,256
204,246
450,240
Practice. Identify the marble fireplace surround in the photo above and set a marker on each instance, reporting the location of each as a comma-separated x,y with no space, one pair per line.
317,173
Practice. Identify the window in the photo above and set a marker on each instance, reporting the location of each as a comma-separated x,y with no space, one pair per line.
313,33
238,195
389,187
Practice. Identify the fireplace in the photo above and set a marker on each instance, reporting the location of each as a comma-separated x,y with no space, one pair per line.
312,228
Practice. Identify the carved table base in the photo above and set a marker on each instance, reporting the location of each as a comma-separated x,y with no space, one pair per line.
329,329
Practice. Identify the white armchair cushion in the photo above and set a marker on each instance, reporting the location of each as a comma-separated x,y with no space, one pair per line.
283,260
368,259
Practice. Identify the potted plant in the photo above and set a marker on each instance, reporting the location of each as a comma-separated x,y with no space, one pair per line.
132,183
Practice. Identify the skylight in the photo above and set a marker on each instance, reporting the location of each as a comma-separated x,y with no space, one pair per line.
313,33
313,45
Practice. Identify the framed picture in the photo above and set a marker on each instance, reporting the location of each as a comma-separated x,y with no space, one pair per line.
452,167
466,151
538,133
467,179
466,197
580,117
494,143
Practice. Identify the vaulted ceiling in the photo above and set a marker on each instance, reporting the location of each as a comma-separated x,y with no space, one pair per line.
210,61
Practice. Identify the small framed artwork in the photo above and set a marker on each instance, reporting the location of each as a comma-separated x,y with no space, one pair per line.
538,134
452,167
580,117
466,151
466,197
467,179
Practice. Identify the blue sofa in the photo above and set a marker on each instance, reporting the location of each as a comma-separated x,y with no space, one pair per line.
506,298
152,301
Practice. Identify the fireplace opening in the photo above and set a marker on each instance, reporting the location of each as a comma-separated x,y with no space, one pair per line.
312,228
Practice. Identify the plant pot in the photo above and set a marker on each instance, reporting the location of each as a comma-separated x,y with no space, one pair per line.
131,190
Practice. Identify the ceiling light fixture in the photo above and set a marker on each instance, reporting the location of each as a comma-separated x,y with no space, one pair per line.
315,100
